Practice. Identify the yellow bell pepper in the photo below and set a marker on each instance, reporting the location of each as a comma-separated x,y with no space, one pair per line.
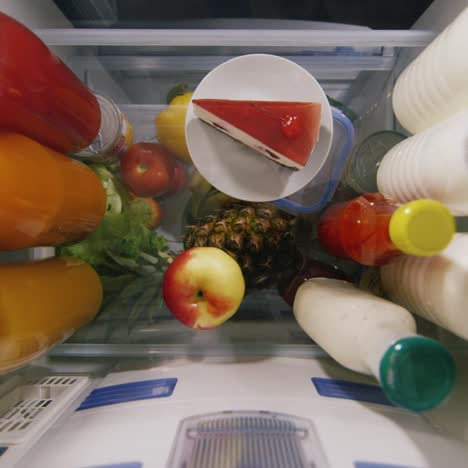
170,127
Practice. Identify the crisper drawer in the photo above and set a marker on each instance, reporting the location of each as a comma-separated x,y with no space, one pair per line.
356,68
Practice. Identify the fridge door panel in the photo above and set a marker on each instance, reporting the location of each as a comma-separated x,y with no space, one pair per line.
222,402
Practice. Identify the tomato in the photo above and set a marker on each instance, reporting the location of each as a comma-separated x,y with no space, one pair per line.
147,169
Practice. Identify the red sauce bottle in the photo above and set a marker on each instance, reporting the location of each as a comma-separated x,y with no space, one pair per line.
310,269
372,229
40,97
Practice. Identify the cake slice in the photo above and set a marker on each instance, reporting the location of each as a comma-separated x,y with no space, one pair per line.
285,132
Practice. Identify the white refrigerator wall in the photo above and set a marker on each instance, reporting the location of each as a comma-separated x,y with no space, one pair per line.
132,418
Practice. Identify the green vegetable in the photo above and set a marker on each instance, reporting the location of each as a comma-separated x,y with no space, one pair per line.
117,195
128,256
122,242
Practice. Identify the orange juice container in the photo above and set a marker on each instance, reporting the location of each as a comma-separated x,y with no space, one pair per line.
42,303
46,198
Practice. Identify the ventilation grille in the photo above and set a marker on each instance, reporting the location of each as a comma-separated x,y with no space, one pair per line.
22,415
245,440
34,404
55,380
251,426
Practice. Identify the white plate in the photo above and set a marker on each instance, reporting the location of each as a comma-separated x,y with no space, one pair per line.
232,167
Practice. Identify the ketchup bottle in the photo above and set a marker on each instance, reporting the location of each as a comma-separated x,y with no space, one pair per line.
372,229
40,97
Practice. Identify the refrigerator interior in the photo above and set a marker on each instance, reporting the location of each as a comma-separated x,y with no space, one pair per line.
137,68
356,66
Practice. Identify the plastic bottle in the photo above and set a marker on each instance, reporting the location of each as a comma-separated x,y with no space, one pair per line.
432,164
114,138
43,302
370,335
372,229
46,198
435,288
361,171
40,96
310,269
433,86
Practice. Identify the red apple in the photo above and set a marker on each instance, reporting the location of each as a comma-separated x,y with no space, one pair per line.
147,169
203,287
179,181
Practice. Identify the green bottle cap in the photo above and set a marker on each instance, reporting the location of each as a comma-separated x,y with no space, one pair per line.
417,373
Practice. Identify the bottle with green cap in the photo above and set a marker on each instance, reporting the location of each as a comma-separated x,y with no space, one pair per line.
373,336
372,229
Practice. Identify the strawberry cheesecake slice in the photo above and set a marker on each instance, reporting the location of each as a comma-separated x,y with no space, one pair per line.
285,132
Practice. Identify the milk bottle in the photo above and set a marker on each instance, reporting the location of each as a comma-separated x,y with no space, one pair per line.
434,86
373,336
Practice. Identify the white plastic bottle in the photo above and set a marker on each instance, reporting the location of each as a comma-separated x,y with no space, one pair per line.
434,287
373,336
433,86
432,164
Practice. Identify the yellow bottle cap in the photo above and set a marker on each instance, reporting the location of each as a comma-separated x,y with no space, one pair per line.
422,227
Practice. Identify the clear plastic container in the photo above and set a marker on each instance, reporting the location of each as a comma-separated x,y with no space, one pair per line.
321,189
361,170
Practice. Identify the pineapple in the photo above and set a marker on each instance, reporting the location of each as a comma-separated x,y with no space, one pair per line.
258,236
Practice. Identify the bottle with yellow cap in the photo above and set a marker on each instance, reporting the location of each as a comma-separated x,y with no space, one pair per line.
372,229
